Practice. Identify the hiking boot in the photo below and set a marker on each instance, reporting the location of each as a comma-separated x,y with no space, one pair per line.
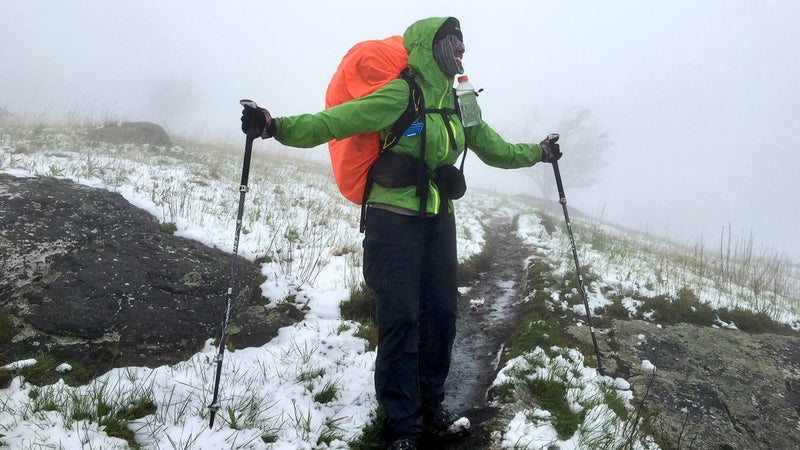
444,425
403,444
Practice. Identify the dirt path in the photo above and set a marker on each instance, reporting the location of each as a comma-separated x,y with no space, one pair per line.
487,315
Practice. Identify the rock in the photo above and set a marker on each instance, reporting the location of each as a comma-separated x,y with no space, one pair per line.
710,387
132,133
89,277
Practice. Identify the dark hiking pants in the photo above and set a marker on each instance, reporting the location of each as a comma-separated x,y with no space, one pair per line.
410,262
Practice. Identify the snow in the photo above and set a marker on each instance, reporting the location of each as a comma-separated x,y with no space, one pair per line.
272,396
19,364
63,368
532,427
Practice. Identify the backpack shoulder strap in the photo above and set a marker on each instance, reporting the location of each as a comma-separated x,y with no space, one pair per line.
413,112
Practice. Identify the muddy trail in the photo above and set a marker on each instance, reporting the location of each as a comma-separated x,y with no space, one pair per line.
488,314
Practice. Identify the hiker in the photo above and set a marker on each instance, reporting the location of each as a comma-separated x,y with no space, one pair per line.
410,256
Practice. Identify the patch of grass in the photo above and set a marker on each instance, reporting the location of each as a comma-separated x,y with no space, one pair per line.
362,308
288,309
548,221
362,305
95,406
684,308
540,277
537,332
332,432
375,434
115,423
753,322
540,326
327,394
571,282
604,315
168,227
551,395
369,332
545,322
44,372
43,402
526,385
7,333
615,403
264,259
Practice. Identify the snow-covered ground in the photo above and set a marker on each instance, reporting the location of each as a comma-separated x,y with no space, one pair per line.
312,386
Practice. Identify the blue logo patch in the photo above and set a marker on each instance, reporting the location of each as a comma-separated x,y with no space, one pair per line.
414,129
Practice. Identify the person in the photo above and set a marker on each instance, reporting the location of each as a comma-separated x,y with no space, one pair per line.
410,259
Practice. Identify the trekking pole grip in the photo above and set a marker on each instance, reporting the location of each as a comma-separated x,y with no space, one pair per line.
252,132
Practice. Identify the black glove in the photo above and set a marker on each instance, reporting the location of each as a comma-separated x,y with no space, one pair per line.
551,151
256,121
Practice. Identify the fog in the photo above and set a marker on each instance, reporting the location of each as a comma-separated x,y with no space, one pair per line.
700,98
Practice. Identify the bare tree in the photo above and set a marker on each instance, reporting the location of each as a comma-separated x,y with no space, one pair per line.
584,145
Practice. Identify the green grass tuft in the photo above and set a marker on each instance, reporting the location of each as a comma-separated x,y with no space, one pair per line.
169,227
44,372
753,322
327,394
362,305
551,395
374,435
362,308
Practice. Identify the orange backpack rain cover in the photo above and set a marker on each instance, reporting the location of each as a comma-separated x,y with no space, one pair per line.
365,68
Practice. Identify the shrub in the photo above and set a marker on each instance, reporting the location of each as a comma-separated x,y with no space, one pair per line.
169,227
684,308
752,322
362,305
616,310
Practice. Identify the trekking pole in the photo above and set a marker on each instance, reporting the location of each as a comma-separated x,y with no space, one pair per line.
248,150
563,201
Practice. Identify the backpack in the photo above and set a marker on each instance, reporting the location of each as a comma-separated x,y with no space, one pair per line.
365,68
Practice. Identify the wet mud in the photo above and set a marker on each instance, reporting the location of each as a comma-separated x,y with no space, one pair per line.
488,313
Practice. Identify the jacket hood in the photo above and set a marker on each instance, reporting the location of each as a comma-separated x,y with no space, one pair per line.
418,40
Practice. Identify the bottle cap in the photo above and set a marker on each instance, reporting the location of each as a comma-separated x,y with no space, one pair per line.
463,78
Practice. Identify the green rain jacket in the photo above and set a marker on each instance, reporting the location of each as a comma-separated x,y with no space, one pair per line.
381,109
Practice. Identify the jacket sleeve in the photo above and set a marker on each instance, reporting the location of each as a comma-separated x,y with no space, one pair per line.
374,112
493,150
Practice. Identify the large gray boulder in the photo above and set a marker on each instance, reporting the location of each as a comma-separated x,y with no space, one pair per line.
88,277
132,133
712,388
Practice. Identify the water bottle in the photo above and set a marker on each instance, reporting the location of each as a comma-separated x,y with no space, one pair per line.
468,102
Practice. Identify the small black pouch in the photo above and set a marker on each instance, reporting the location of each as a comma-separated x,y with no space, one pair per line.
394,170
451,180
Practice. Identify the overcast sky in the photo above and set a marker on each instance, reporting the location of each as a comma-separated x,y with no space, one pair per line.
701,99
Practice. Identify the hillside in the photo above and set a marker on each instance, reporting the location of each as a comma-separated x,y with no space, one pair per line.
677,327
